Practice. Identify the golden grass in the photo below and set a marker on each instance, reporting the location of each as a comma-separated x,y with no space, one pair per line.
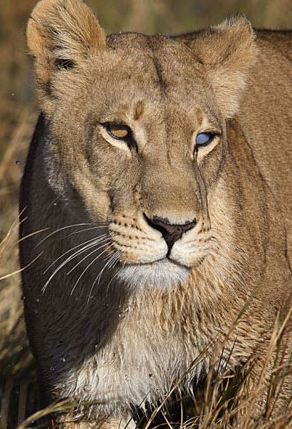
18,390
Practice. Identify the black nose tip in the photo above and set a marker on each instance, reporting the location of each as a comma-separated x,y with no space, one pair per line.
170,232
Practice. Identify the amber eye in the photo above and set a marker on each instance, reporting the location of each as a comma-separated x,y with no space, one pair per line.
121,132
118,131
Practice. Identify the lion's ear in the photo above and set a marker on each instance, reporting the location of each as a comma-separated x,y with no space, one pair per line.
61,34
227,51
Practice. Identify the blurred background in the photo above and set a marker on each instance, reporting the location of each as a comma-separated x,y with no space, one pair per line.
18,113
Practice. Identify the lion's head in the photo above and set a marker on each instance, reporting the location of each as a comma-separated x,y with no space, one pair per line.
138,130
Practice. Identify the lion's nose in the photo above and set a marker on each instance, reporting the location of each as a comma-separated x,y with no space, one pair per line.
170,232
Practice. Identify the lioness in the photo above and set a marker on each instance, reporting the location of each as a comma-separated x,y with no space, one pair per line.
156,202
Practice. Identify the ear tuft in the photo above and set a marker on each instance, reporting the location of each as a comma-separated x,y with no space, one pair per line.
227,50
61,34
234,41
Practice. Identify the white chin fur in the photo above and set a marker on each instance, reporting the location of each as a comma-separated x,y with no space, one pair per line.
162,275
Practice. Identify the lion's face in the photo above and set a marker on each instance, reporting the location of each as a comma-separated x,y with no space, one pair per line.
139,133
136,141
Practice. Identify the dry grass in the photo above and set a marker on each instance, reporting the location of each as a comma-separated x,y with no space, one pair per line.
18,391
15,361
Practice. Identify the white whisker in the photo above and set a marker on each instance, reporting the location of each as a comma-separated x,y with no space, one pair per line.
109,264
86,229
87,268
96,240
87,256
113,259
70,258
61,229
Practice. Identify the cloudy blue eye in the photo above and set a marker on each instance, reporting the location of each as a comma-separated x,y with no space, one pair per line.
203,139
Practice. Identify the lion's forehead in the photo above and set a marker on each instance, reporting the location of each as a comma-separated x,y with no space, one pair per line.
163,102
161,73
162,68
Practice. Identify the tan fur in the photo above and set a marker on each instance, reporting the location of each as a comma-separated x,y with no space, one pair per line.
119,324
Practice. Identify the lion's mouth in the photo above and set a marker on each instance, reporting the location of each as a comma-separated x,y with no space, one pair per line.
163,274
164,260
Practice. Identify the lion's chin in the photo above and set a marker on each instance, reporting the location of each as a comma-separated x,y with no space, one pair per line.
162,274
